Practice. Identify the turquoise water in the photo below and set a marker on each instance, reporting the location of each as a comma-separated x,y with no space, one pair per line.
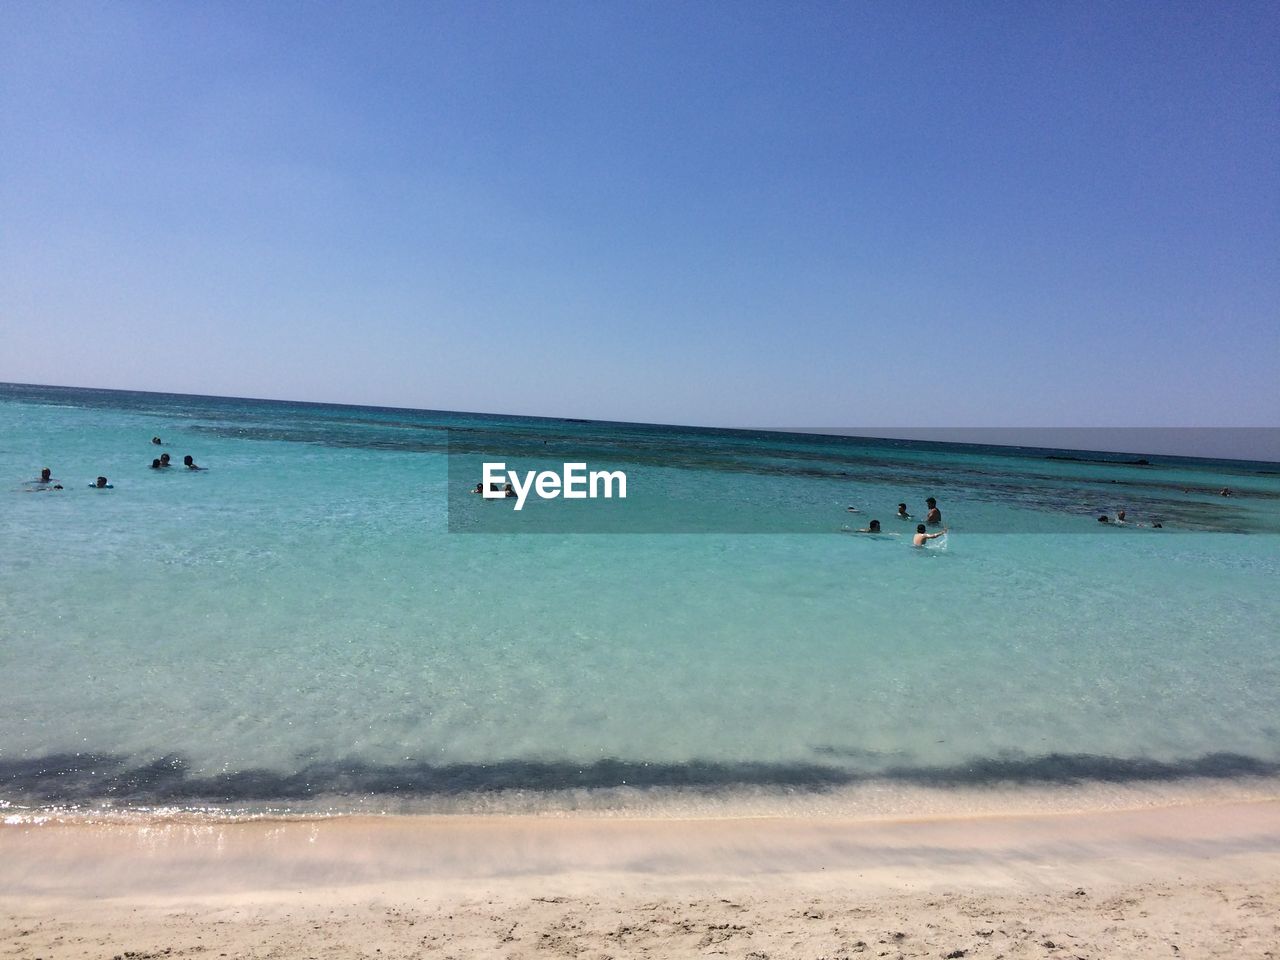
297,624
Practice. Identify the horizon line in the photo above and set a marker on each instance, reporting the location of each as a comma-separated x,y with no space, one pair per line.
841,432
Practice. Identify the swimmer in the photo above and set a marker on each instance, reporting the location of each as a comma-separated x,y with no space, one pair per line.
101,484
164,460
1104,519
156,464
921,538
189,463
510,491
1225,492
43,484
156,441
873,526
851,510
1157,525
902,512
1120,516
478,488
934,515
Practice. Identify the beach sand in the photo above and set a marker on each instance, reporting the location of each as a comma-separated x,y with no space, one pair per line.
1189,880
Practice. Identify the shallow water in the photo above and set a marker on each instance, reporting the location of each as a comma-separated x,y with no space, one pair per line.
298,624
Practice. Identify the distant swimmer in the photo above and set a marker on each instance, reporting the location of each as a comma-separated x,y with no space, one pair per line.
164,460
873,526
1104,519
1225,492
101,484
156,464
902,512
478,488
43,483
156,441
1120,516
189,462
921,538
510,491
934,515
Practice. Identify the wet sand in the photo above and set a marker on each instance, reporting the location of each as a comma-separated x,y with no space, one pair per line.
1186,880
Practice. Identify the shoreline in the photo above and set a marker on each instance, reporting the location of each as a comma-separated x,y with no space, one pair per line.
378,849
1203,877
873,800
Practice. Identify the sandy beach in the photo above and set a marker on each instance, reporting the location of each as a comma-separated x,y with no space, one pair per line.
1186,880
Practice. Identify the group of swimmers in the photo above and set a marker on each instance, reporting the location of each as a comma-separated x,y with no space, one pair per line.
933,517
506,491
1122,521
47,481
163,462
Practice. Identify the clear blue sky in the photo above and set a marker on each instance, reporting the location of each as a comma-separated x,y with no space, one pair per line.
790,214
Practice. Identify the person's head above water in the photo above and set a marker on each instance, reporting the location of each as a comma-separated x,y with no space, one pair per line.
919,528
902,508
164,458
46,474
101,482
155,440
1104,519
189,461
874,525
930,502
1119,514
156,464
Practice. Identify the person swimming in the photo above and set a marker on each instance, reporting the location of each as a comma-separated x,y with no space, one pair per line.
478,488
1104,519
510,491
1120,516
101,484
44,482
902,512
921,537
189,462
873,526
934,515
156,464
156,441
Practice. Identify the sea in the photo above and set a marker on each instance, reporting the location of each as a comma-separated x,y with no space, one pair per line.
325,620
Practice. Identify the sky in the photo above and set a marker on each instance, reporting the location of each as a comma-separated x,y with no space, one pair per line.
734,214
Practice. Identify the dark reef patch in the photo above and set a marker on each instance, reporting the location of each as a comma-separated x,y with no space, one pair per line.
102,778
